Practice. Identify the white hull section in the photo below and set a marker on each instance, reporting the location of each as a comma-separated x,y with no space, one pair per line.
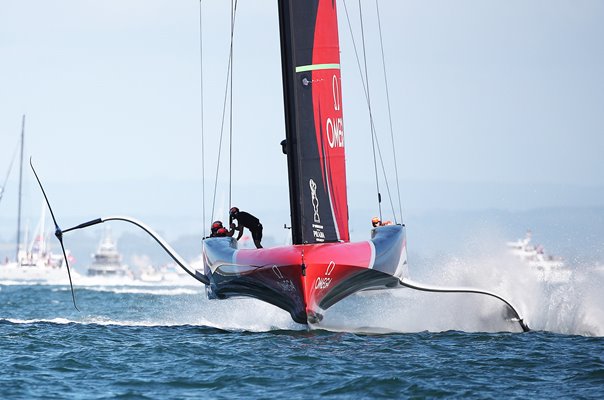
35,274
546,268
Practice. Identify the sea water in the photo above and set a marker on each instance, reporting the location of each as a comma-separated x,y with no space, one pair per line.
171,342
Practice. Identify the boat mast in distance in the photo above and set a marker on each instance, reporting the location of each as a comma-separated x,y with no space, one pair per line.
20,188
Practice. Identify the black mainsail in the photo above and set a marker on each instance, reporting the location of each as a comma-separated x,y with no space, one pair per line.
313,113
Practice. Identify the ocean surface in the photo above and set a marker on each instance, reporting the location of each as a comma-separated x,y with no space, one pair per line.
165,342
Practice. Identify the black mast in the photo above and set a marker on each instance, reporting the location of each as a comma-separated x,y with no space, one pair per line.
313,121
20,187
288,72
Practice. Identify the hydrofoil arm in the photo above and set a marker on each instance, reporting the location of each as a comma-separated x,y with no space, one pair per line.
59,234
435,289
167,248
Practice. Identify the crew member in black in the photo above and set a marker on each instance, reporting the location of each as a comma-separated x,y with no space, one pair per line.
246,220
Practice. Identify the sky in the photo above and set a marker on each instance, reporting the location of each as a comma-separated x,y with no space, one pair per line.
496,93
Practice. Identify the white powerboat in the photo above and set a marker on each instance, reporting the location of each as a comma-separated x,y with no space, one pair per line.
107,261
548,268
168,274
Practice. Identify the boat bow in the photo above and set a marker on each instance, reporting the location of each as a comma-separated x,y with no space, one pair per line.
306,279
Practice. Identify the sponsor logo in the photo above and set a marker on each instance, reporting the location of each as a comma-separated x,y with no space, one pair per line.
324,282
317,228
334,127
277,272
285,284
314,200
317,232
330,268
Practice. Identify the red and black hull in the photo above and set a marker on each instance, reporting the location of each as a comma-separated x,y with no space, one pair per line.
305,280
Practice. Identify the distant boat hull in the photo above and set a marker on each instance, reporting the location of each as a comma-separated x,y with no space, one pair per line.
546,268
306,280
34,274
108,270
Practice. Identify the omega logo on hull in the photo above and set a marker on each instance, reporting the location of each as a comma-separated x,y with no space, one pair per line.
323,283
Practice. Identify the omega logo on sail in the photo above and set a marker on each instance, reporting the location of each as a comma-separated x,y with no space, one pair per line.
335,127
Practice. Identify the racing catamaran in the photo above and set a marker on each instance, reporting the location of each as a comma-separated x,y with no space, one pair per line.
321,266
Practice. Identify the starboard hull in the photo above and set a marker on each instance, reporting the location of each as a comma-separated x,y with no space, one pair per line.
305,280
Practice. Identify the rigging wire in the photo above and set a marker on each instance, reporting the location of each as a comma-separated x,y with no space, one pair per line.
10,168
377,8
233,8
203,172
366,88
226,91
20,188
373,131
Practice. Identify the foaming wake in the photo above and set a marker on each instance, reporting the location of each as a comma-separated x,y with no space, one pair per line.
572,307
87,321
92,281
242,315
575,306
126,281
230,315
159,291
17,321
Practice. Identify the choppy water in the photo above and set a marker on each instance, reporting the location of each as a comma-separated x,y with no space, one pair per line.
171,342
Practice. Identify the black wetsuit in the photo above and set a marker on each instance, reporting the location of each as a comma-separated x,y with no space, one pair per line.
250,222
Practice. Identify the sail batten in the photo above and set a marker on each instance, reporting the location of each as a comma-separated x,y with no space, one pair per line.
304,68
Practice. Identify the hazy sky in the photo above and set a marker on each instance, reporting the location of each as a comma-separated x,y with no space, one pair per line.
481,91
